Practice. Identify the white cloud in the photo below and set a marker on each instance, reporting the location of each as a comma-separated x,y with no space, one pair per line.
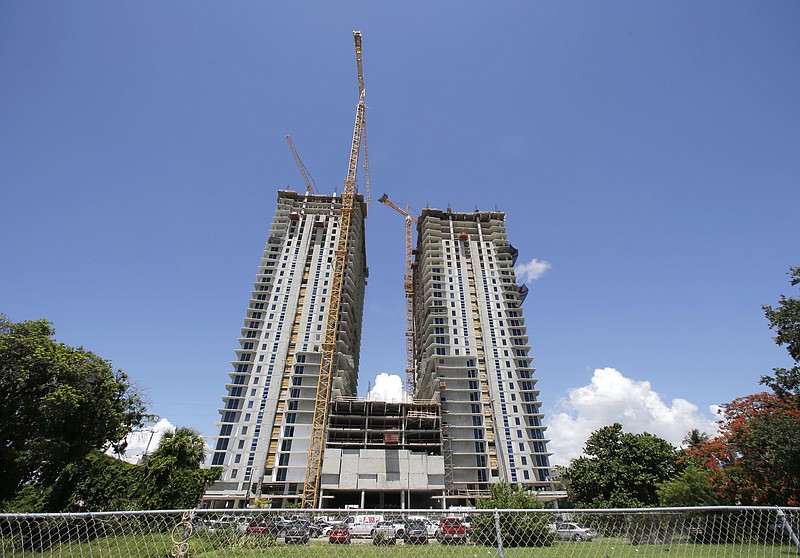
145,441
531,271
388,387
611,397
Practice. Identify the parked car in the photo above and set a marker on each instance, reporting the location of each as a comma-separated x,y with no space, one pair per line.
362,525
339,535
451,531
574,532
430,526
415,532
297,533
326,531
226,523
384,533
260,527
320,527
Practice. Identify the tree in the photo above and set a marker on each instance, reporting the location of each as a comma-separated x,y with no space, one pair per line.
57,404
98,483
620,469
695,437
172,477
785,321
755,460
516,529
692,487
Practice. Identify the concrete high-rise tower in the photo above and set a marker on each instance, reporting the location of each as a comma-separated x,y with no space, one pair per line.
471,349
266,417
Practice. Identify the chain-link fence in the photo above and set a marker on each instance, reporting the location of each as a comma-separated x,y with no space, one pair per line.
665,532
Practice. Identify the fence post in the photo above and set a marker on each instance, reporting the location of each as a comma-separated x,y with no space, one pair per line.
788,528
500,552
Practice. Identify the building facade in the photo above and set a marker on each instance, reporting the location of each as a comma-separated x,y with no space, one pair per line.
472,354
267,410
474,418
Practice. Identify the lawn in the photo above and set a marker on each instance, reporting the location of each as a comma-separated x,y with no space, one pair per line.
231,545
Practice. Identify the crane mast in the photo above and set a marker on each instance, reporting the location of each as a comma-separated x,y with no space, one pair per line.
316,448
408,284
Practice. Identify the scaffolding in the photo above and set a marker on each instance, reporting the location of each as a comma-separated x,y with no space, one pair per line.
368,424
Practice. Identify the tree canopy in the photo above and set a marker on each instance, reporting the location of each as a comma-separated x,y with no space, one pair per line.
57,403
620,469
785,321
172,477
61,408
692,487
755,459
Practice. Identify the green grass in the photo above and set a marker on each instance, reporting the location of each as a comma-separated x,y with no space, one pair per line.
228,545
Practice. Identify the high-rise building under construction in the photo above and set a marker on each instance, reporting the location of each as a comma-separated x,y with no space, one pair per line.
474,419
292,428
268,408
471,351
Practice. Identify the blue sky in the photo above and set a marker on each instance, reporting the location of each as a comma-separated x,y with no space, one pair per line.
648,151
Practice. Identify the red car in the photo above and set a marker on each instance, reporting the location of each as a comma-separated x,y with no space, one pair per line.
339,535
263,527
451,531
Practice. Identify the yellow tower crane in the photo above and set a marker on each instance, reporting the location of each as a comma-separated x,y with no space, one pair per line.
310,189
408,283
327,366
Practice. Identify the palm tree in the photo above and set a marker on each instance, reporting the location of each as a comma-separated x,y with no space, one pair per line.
183,447
695,438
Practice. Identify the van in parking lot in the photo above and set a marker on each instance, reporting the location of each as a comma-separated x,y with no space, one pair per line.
362,525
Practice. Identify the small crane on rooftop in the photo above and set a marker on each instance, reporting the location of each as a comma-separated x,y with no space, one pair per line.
310,184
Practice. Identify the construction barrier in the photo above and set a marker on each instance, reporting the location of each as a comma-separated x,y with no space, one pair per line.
663,532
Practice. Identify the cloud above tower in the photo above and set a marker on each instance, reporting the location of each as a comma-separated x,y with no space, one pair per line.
531,271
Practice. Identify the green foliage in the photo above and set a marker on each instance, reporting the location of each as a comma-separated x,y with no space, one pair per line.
516,529
60,408
695,437
785,321
755,459
620,470
98,483
57,404
172,477
692,487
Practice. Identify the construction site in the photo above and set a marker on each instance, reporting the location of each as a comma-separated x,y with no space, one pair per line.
292,429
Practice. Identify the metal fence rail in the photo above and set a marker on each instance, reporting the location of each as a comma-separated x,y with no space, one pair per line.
663,532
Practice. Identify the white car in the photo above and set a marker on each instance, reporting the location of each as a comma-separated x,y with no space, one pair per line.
384,533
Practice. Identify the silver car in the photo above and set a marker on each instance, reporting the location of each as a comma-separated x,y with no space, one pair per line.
574,532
